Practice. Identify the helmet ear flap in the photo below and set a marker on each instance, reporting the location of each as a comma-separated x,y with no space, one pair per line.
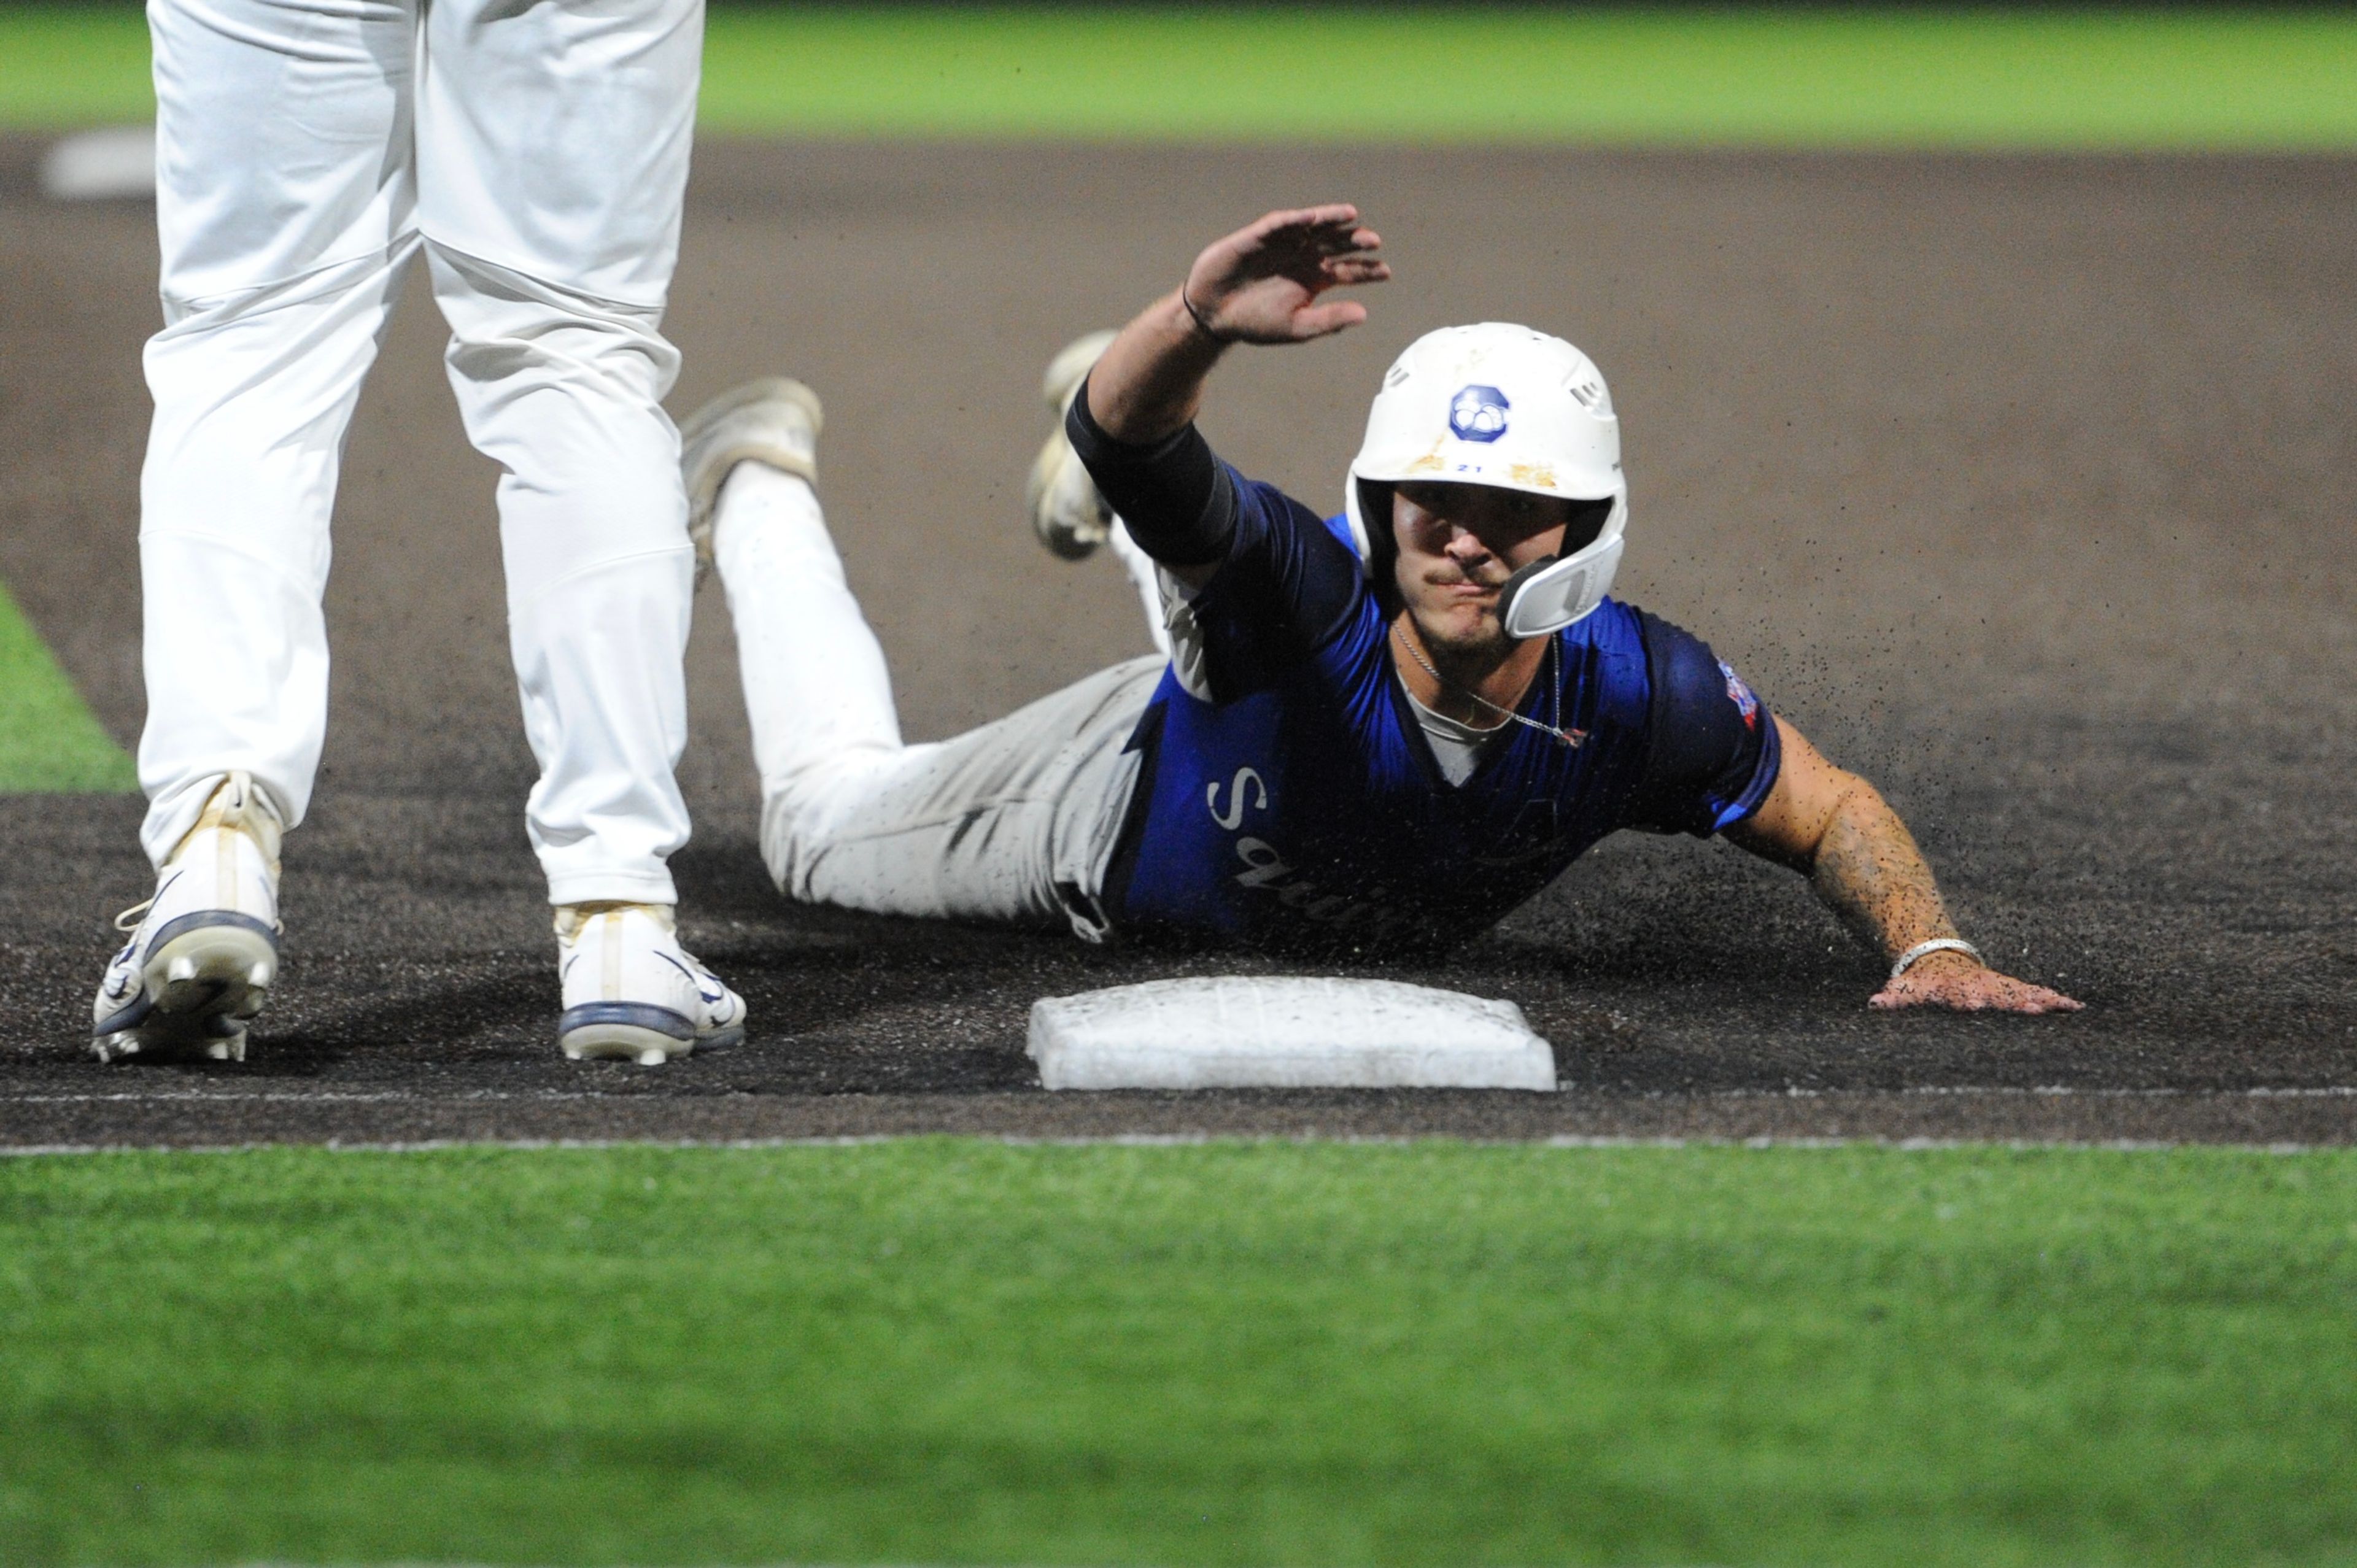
1370,522
1558,591
1371,526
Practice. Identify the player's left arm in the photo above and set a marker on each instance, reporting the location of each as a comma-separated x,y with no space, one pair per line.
1835,828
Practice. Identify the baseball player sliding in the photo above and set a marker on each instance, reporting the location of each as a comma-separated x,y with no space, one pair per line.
1383,730
308,153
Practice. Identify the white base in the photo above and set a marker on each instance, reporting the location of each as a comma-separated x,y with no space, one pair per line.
100,166
1241,1031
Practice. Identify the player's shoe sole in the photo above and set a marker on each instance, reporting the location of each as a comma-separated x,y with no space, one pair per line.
776,420
199,987
636,1032
632,993
203,953
1067,514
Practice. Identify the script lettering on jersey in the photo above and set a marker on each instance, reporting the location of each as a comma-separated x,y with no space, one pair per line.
1234,816
1263,863
1266,867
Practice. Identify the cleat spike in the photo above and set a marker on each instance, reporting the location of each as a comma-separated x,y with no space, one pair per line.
654,1055
258,976
180,969
219,1051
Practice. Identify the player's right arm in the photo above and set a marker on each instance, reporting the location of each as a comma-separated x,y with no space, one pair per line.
1263,283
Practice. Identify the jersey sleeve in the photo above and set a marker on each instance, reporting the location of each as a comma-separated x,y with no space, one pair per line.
1178,501
1712,754
1284,586
1286,589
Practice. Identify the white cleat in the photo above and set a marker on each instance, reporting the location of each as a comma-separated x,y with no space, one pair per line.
776,421
204,950
632,993
1071,518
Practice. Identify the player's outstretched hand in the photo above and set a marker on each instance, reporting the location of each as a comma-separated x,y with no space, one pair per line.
1262,284
1953,981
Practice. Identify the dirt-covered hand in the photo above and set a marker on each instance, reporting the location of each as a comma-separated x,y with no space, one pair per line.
1953,981
1262,284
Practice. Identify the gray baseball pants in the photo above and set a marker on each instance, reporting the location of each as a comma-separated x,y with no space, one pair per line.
1015,821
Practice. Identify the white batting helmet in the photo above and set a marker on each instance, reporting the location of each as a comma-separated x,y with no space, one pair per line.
1497,404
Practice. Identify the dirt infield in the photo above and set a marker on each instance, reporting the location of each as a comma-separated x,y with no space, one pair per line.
2027,486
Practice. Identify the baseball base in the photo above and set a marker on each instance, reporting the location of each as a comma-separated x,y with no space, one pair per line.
112,165
1240,1032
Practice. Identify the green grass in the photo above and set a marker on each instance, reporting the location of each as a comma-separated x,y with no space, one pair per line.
2189,78
947,1351
48,741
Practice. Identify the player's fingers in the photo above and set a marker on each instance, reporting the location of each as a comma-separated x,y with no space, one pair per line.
1347,235
1276,231
2021,996
1317,232
1996,993
1357,269
1318,320
1329,215
2018,996
1303,221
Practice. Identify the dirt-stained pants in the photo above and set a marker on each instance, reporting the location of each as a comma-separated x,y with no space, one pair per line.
1015,821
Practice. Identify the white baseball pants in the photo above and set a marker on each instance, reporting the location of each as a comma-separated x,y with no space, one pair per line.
536,153
1015,821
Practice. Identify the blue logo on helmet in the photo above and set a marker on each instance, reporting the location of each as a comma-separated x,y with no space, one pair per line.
1478,414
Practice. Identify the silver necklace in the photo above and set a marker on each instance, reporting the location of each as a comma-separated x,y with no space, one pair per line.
1570,737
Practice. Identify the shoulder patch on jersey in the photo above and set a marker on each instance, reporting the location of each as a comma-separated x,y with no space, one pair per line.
1741,696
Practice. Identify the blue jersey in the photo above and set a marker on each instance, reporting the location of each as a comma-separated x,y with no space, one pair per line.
1288,796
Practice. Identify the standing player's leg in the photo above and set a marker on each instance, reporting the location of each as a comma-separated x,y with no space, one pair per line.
552,152
1013,820
283,211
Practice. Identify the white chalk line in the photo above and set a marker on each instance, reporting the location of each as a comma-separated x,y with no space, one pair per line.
1156,1140
1162,1140
499,1096
1174,1140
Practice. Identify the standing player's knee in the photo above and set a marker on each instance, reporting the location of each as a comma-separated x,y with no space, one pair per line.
506,324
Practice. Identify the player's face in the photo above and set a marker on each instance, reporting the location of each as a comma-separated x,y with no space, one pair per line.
1458,546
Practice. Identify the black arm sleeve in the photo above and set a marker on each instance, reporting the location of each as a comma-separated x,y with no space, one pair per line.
1179,501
